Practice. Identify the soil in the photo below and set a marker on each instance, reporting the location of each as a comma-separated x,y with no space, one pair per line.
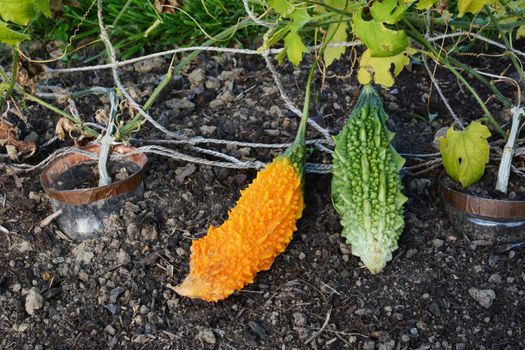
440,291
484,188
86,175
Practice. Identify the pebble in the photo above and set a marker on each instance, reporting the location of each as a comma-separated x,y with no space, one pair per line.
58,260
392,106
437,242
434,309
110,330
122,257
299,319
411,253
34,301
390,345
207,336
196,77
495,278
493,260
83,254
143,310
212,83
302,256
484,297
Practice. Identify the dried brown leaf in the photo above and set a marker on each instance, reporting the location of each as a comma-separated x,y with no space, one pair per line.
16,149
167,6
65,127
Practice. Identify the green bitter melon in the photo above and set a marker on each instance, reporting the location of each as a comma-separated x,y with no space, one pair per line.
366,186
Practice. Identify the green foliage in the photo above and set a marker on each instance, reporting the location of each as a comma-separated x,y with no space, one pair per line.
465,153
380,40
366,187
379,69
140,28
19,12
9,36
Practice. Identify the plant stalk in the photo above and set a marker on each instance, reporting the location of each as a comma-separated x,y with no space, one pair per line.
12,80
301,131
106,142
508,151
508,45
87,130
436,56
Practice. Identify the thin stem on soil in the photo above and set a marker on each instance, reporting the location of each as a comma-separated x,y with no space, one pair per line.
446,61
517,65
508,151
12,80
87,130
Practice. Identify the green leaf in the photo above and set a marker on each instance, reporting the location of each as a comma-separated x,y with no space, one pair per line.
336,33
294,47
504,13
379,69
425,4
387,11
23,11
282,7
381,41
3,88
9,36
472,6
465,153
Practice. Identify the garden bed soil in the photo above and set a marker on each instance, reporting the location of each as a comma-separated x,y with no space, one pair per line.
485,187
440,291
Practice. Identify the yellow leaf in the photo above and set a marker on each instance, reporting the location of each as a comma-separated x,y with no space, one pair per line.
465,153
336,33
379,69
472,6
294,47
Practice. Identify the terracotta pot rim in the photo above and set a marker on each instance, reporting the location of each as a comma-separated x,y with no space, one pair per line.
485,207
93,194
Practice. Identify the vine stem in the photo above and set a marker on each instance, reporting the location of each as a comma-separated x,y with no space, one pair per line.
508,151
301,131
437,57
12,81
106,141
31,97
517,66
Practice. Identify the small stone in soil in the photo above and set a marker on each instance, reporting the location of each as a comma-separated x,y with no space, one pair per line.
34,301
484,297
207,336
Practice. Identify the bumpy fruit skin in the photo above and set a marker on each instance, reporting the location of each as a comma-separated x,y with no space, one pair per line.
366,187
257,230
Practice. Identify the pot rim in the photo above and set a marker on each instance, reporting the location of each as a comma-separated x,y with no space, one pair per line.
486,207
93,194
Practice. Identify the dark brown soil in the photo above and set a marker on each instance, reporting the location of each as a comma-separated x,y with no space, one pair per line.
485,186
86,175
440,291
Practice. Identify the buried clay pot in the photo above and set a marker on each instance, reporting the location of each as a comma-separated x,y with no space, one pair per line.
495,220
71,183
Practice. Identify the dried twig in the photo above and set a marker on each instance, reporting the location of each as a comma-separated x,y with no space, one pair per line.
316,334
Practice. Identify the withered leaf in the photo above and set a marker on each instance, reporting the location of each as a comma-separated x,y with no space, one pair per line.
167,6
16,149
28,72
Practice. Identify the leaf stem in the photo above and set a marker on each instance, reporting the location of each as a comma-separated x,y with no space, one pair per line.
301,131
508,45
87,130
12,80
